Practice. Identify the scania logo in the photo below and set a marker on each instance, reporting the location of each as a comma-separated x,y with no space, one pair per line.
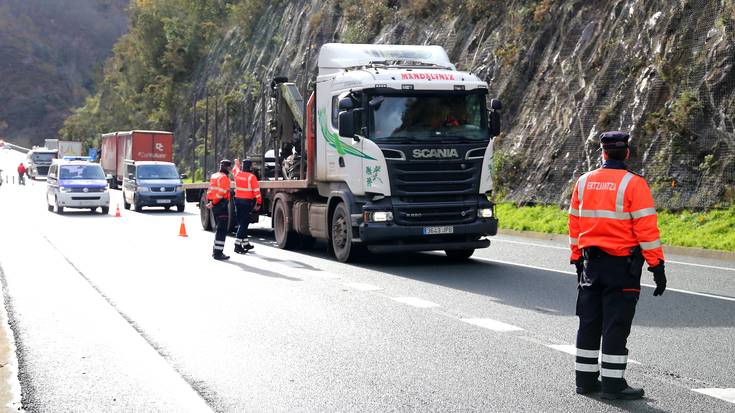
435,153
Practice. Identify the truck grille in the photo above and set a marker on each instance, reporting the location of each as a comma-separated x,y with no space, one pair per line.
435,214
411,178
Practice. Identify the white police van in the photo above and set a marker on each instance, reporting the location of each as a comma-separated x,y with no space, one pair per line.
76,182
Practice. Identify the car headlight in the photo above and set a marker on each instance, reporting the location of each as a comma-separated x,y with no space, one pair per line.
144,189
64,189
378,216
485,212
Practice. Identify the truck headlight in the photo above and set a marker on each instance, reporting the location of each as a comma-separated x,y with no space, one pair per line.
485,212
378,216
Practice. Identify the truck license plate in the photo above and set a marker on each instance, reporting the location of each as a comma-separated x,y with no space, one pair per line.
163,201
438,230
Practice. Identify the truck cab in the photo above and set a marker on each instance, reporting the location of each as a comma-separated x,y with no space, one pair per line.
404,140
151,183
39,161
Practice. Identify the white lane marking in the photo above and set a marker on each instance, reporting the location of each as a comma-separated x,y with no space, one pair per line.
572,349
415,302
727,395
362,286
491,324
718,297
534,244
700,265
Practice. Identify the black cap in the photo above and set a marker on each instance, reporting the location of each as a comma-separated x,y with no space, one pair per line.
614,140
247,164
225,163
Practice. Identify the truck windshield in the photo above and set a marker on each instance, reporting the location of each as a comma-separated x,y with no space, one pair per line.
428,118
157,172
40,157
81,172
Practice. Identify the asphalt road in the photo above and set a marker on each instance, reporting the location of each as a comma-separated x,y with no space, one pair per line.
121,314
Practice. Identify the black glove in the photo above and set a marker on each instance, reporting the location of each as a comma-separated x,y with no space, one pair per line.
659,277
579,265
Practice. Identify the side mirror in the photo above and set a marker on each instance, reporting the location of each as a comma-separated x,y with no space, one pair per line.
183,176
347,124
346,104
495,104
493,119
131,177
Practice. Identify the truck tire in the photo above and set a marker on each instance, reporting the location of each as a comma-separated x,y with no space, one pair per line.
459,255
340,234
285,239
205,215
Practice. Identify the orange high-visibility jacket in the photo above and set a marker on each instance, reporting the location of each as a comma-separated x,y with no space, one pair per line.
612,209
219,187
246,185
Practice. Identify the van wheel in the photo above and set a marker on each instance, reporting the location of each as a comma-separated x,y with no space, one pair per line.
459,255
181,207
50,208
136,205
341,234
126,204
285,239
59,208
105,210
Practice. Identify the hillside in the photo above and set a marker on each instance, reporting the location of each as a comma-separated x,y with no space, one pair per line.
565,70
50,53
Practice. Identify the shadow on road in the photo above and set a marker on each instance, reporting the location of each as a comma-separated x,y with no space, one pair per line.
260,271
539,290
643,405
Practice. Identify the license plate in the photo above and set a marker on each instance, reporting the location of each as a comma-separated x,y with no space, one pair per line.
163,201
438,230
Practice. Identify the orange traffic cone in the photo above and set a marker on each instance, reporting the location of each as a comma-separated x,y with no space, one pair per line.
117,211
182,228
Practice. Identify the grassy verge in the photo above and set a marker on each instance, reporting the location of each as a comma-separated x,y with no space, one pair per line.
711,230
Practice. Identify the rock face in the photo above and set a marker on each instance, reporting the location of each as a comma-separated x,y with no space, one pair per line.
565,71
49,51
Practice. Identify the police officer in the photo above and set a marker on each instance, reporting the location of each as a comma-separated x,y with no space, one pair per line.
613,229
247,198
218,195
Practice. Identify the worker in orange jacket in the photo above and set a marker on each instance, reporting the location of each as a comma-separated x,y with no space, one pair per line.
613,229
247,199
218,196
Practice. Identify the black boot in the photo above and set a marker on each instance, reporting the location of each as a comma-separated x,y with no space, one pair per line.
240,250
628,393
248,246
220,257
593,387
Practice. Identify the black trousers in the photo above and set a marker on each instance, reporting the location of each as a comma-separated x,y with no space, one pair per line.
243,208
21,179
220,212
608,294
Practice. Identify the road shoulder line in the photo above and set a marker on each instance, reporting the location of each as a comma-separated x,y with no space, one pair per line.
10,389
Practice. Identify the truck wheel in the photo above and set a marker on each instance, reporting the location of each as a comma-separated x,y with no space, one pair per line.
341,234
285,239
204,213
459,255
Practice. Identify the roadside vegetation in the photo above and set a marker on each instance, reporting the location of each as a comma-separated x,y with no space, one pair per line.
709,229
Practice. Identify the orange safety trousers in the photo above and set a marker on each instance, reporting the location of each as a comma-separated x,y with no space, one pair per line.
613,209
219,187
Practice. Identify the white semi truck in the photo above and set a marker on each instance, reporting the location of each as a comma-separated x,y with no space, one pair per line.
396,155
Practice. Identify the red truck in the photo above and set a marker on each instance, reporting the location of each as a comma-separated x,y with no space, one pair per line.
136,145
